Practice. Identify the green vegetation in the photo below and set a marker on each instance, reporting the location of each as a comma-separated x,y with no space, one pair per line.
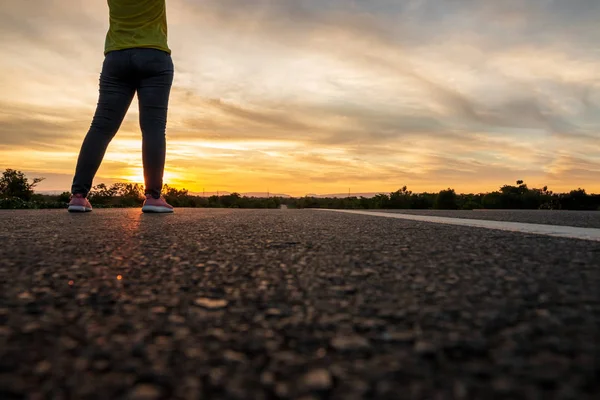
508,197
16,192
132,195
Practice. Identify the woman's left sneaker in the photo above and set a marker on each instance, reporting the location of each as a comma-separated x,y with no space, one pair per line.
79,203
152,205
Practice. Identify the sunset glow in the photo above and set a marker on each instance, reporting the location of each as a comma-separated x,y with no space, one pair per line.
312,96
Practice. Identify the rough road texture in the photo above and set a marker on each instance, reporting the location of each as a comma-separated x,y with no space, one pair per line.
238,304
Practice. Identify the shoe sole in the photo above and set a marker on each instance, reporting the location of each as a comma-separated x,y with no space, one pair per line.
79,209
156,210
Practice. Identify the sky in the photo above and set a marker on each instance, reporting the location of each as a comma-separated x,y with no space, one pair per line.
322,96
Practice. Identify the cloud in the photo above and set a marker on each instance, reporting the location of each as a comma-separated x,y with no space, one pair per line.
318,95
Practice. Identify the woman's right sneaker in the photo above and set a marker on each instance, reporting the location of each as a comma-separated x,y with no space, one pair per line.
79,203
152,205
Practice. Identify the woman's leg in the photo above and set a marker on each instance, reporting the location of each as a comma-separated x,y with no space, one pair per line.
116,92
156,72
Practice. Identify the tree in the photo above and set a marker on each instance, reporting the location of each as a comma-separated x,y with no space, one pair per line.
230,201
422,201
64,197
400,198
102,195
446,200
178,198
15,184
172,192
380,201
578,200
130,194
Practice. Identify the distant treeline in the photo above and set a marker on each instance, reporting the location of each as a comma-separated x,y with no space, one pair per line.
518,196
16,192
131,195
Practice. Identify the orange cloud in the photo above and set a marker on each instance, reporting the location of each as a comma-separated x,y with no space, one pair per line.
319,96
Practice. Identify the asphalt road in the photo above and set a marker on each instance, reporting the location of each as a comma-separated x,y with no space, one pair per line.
291,304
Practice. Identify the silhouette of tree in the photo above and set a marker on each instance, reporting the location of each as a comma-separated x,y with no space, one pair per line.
15,184
446,200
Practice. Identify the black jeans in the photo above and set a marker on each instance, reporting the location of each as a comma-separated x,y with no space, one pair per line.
148,72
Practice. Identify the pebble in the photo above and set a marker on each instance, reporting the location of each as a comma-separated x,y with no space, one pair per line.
218,376
101,365
424,348
25,296
267,378
350,342
176,319
211,304
318,379
31,327
145,391
234,356
273,312
347,289
282,390
400,337
68,343
460,390
363,272
43,368
543,313
502,385
190,389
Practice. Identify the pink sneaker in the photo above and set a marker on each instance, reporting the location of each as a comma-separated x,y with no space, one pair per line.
152,205
79,203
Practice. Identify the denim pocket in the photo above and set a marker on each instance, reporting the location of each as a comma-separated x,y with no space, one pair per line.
152,61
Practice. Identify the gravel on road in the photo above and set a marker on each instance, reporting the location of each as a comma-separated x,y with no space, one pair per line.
291,304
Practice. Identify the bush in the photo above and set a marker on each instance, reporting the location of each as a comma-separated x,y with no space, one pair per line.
13,203
14,184
64,197
16,192
446,200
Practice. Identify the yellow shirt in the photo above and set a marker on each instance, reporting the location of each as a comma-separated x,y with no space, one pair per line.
137,23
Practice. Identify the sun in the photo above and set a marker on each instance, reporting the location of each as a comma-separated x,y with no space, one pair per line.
137,176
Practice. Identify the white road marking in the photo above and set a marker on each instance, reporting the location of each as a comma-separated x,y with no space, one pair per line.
571,232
